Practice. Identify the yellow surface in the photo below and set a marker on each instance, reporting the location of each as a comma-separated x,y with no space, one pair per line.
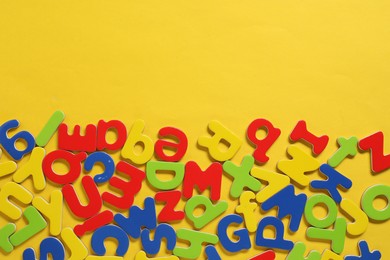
185,63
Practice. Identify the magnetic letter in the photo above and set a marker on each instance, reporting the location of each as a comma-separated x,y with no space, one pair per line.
374,143
279,241
36,223
138,218
276,183
210,178
9,143
102,130
263,145
348,148
5,233
52,211
335,179
109,231
211,211
365,253
297,253
73,160
353,210
368,198
331,206
7,167
50,128
75,245
196,240
289,204
135,137
241,176
221,133
94,200
300,164
168,213
162,231
32,168
77,142
152,167
101,219
300,132
247,208
180,147
106,160
243,242
337,235
11,189
129,188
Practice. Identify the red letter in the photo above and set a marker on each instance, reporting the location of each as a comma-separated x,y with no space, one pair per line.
95,222
76,142
180,147
93,195
128,188
374,142
73,160
300,132
210,178
102,129
267,255
168,213
263,145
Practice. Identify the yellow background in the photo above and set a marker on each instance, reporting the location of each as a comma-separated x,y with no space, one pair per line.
184,63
